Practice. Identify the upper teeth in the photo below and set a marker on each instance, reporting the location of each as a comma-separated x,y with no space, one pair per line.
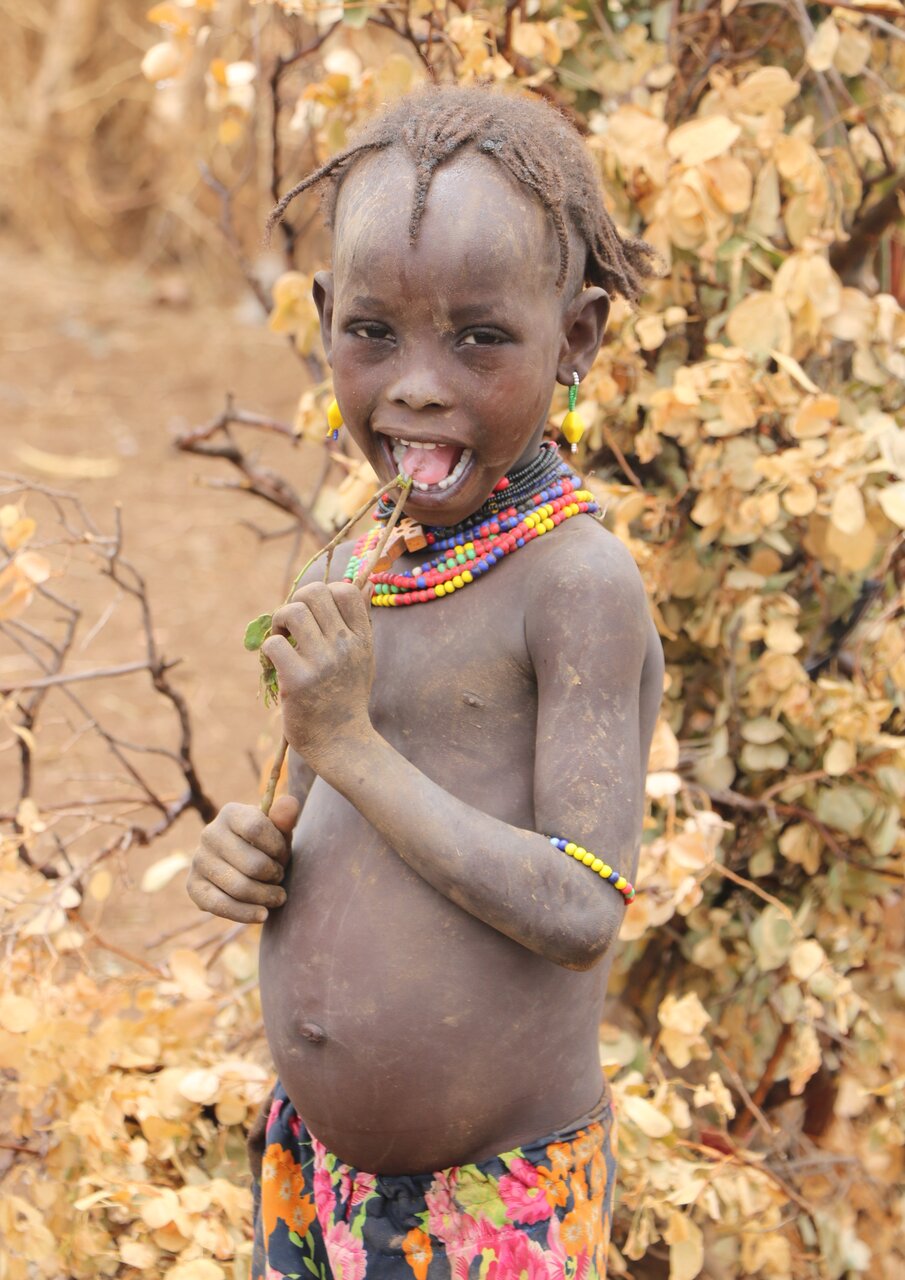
399,450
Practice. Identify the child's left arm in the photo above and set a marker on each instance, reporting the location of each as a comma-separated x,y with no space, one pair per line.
588,639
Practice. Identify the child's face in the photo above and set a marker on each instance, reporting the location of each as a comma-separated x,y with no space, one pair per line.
455,342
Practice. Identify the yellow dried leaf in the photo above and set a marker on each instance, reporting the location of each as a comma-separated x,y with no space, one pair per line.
765,89
822,47
189,974
686,1247
847,512
839,757
162,61
892,502
528,40
702,139
651,332
800,843
800,499
757,759
645,1116
781,636
682,1021
18,1014
200,1086
803,1056
760,325
662,783
160,1209
18,532
160,873
806,958
853,51
664,747
199,1269
140,1254
100,885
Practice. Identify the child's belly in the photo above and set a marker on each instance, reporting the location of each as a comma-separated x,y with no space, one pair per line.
409,1035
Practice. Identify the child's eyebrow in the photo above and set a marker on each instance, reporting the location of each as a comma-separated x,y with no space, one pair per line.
366,302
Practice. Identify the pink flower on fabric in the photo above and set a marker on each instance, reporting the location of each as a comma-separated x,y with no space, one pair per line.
522,1194
295,1123
457,1231
274,1113
346,1253
324,1199
518,1258
363,1185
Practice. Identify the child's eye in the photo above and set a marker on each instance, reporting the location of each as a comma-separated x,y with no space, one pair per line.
369,329
483,338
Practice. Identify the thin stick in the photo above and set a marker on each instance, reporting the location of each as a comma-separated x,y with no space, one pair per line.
366,570
361,581
334,542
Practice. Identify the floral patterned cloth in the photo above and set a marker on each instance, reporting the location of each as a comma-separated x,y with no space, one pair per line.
541,1212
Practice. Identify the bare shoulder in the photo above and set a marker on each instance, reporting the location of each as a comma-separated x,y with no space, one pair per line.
583,560
586,584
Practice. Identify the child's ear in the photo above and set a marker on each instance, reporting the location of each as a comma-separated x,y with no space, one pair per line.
584,324
322,293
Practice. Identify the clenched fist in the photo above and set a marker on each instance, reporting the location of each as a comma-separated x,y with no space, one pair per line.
237,869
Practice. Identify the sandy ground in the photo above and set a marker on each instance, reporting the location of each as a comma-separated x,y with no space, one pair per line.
95,365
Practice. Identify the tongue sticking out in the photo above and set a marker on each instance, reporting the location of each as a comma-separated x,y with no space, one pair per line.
430,466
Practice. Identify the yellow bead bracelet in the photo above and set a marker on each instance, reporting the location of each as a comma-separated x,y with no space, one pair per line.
603,869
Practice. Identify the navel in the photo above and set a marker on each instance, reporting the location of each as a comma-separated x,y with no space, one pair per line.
311,1031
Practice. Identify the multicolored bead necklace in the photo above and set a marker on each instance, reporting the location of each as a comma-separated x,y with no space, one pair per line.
524,506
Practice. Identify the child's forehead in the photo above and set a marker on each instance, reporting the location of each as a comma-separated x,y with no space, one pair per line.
477,218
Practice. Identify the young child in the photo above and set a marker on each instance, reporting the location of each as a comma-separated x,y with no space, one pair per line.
434,963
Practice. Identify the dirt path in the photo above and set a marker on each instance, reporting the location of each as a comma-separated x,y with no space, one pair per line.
94,365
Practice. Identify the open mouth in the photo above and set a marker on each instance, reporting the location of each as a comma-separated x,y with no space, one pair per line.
431,467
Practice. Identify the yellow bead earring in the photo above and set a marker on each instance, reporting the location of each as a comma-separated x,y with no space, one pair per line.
334,420
572,424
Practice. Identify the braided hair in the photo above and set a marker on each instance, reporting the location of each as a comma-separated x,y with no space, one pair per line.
531,139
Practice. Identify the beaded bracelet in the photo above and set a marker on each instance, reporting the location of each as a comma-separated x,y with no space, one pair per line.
605,871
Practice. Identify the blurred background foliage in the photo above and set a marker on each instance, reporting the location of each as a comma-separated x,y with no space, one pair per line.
746,433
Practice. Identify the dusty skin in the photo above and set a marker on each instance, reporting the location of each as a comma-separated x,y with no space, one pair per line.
432,986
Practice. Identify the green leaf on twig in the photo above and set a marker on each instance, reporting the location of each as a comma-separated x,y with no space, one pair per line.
257,631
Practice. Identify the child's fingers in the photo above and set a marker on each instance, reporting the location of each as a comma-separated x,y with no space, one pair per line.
209,898
257,828
317,597
284,659
352,606
298,621
284,814
237,885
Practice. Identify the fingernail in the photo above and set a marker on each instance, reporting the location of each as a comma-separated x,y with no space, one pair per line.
261,916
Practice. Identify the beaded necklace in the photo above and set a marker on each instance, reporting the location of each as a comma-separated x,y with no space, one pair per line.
523,506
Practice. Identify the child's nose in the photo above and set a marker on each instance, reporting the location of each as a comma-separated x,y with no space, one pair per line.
418,388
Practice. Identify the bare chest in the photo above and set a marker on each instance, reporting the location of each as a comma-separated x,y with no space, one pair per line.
454,677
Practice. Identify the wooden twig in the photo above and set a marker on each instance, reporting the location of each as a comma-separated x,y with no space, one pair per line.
73,677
